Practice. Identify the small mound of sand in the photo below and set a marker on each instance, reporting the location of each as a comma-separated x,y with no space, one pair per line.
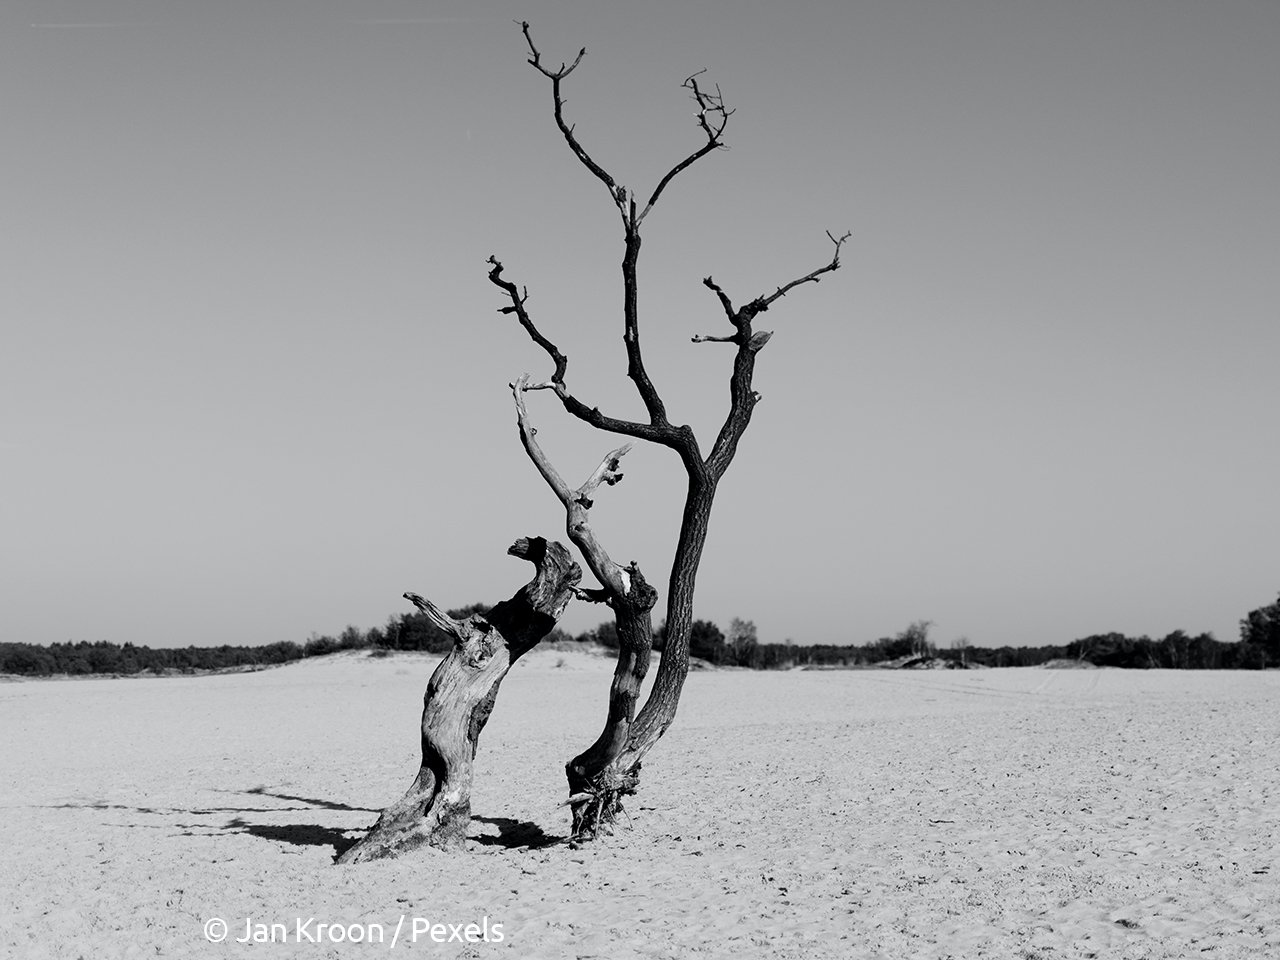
1062,664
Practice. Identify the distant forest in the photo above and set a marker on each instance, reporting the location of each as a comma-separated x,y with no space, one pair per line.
1258,648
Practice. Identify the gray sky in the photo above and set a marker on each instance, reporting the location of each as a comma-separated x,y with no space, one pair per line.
253,382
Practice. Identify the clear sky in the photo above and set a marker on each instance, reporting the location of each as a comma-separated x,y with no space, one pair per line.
253,383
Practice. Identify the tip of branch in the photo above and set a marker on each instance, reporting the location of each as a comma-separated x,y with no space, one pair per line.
839,242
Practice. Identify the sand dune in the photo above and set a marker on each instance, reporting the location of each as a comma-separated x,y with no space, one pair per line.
996,813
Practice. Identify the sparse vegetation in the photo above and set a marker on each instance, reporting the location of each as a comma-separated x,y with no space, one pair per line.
410,631
1177,651
112,659
1259,649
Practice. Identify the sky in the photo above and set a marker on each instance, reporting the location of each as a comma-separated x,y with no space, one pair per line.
254,384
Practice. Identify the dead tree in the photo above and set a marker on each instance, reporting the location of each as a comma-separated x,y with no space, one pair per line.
610,768
436,811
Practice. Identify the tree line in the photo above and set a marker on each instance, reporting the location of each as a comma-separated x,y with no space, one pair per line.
409,631
1258,649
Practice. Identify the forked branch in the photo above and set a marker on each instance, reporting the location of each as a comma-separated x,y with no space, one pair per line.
678,438
742,398
739,317
713,117
536,57
616,193
577,503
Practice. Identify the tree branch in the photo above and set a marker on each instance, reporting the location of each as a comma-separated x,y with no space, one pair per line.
577,502
437,616
616,193
532,447
678,438
725,302
807,278
742,398
592,596
517,307
607,473
712,119
536,58
709,104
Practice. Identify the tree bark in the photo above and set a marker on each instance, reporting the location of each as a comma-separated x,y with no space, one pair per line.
436,810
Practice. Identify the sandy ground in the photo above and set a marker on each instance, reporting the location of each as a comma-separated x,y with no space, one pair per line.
997,813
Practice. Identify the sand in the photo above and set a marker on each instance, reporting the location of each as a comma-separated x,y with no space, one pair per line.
996,813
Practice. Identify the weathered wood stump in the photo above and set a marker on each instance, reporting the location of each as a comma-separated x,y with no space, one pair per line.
436,811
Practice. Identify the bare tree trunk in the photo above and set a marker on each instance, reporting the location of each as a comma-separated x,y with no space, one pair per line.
436,811
600,778
596,782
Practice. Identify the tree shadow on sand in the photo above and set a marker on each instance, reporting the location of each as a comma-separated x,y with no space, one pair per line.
512,834
515,834
310,801
301,834
297,834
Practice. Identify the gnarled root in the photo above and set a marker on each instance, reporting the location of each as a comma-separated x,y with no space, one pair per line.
596,803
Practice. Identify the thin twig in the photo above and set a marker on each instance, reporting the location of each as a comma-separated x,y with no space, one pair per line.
807,278
708,104
616,193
